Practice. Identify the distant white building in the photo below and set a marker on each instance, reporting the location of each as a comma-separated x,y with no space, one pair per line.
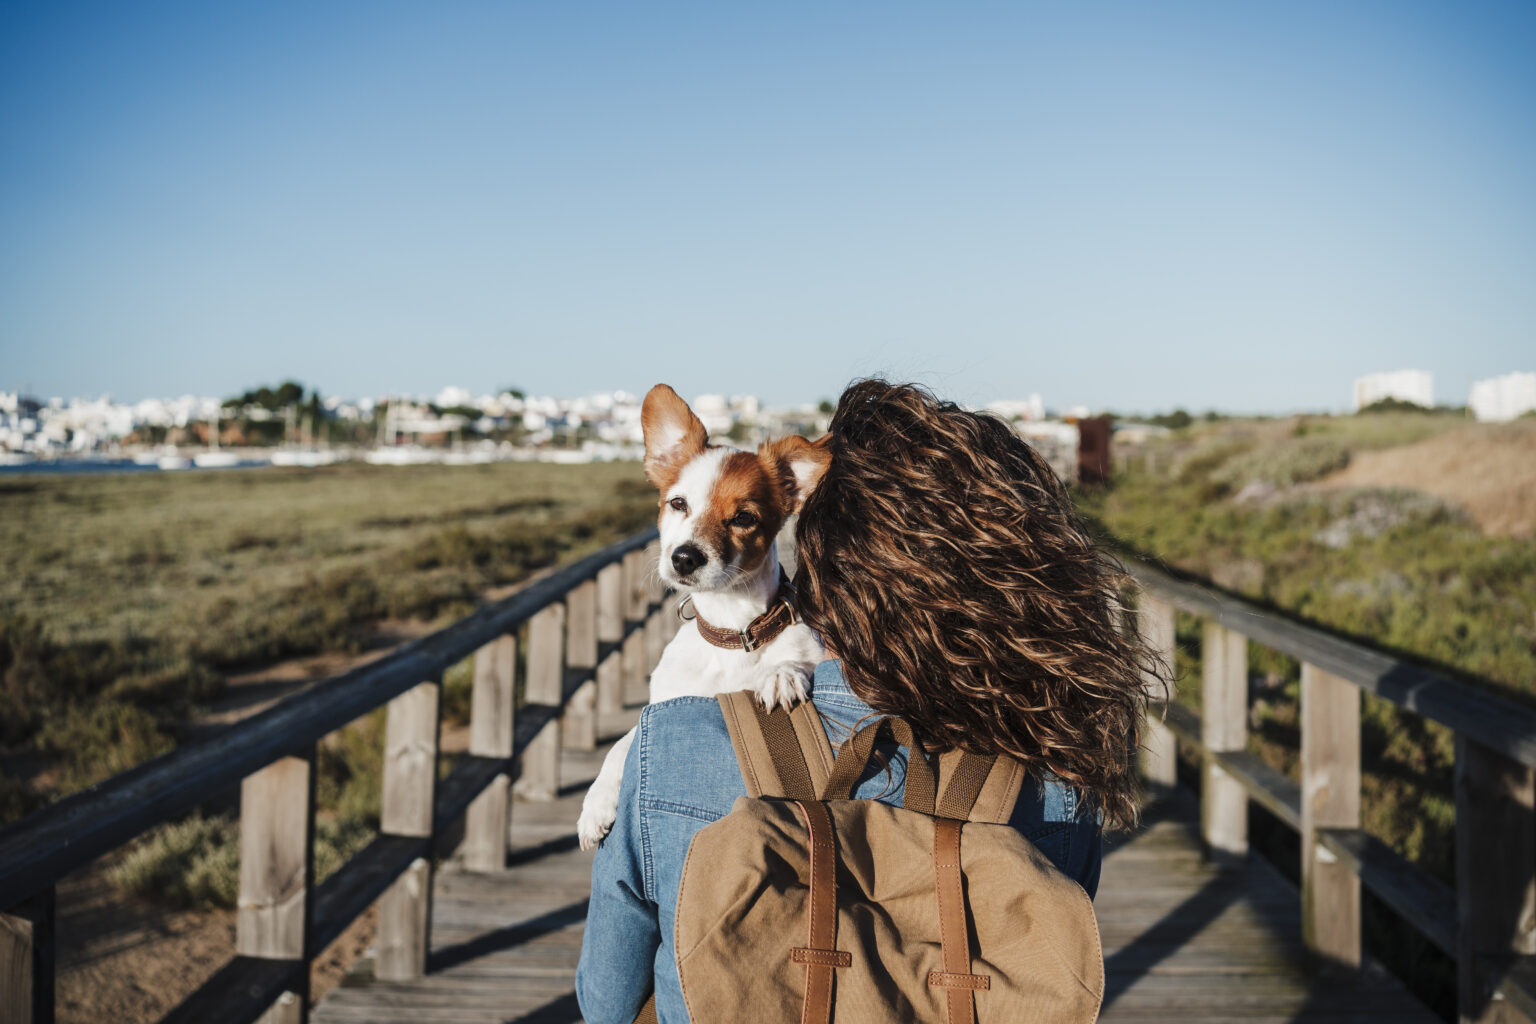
1416,386
452,396
1503,398
1031,408
714,412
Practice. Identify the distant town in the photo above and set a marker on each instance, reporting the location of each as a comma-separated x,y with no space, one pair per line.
289,425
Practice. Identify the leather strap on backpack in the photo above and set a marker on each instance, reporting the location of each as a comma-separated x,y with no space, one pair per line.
957,981
820,954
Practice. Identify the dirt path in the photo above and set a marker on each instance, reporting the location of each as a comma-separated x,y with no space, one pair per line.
1488,469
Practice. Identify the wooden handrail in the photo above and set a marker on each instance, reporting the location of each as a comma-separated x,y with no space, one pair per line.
1488,922
285,919
1496,723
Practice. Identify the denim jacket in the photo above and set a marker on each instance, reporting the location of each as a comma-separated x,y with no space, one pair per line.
681,774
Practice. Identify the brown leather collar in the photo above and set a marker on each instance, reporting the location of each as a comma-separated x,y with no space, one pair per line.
761,630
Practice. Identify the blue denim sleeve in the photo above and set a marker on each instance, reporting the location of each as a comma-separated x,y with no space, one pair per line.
1051,816
614,975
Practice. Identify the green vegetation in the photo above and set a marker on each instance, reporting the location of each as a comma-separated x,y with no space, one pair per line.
1238,503
125,600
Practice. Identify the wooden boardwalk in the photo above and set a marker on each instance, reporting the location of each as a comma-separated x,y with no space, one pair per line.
1184,943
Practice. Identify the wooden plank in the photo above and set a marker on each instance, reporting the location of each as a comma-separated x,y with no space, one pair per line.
405,914
412,730
636,670
410,762
655,628
27,960
1500,725
1223,727
47,845
1495,875
491,711
1516,981
671,620
491,728
471,777
1277,794
539,777
1418,897
352,889
1330,788
277,827
1159,757
610,633
636,590
579,725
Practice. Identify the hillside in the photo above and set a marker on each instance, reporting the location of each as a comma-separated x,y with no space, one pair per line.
1487,470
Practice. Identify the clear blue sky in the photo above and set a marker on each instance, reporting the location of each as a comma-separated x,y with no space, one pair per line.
1133,205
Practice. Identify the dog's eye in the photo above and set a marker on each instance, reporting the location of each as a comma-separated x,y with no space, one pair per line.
680,504
744,520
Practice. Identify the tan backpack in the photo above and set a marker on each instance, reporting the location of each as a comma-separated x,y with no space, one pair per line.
802,904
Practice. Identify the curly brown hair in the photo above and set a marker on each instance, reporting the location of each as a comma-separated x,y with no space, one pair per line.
942,560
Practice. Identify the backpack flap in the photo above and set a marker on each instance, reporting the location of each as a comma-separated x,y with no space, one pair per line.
745,912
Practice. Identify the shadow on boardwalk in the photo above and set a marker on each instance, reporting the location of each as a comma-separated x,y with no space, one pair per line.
1184,943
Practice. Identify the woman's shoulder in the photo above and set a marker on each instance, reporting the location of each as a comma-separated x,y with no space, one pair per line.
683,758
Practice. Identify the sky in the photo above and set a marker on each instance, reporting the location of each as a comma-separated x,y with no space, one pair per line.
1129,206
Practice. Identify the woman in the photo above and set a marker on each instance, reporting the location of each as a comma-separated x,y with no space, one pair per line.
943,566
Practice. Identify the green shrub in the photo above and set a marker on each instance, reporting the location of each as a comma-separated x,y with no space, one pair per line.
189,863
100,739
1284,464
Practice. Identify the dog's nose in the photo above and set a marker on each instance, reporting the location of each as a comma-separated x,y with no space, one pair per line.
686,559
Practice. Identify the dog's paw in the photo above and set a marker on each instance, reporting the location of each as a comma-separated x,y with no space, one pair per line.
597,814
782,684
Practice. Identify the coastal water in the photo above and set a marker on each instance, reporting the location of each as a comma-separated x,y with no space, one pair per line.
67,467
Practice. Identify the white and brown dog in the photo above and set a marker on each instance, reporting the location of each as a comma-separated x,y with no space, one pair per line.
721,512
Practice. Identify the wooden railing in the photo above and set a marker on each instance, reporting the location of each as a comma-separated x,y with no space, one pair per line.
594,630
1487,922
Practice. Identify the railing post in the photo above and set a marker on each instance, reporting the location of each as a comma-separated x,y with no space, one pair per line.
1495,893
1224,726
540,775
26,960
491,718
410,790
277,831
1159,752
579,728
635,601
655,637
610,630
1330,798
670,623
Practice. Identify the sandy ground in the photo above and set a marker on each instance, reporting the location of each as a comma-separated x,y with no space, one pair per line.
129,961
1488,469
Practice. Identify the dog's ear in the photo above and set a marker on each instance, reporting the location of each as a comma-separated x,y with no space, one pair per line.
673,435
796,465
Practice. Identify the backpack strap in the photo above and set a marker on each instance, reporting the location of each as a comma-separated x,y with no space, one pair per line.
979,787
820,954
783,753
956,980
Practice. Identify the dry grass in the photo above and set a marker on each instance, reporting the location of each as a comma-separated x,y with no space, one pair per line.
125,600
1487,469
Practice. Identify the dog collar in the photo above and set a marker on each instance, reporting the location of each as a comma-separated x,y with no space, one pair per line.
761,630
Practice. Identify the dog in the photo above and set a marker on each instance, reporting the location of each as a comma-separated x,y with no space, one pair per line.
721,512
